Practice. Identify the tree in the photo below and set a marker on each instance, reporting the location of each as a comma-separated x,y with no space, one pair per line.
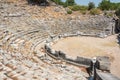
58,2
70,2
105,5
118,12
38,2
91,5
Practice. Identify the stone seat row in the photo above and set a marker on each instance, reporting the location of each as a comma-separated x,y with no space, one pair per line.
14,39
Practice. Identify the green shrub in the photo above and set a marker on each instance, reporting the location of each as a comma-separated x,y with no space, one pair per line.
39,2
75,7
58,2
83,8
110,14
69,12
70,2
83,12
78,8
91,5
95,11
117,12
104,5
108,5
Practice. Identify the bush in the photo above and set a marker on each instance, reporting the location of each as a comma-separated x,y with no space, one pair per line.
91,5
117,12
83,8
109,14
107,5
39,2
78,8
75,7
70,2
104,5
58,2
95,11
69,12
83,12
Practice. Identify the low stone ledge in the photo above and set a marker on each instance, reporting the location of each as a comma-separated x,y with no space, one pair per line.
105,76
62,56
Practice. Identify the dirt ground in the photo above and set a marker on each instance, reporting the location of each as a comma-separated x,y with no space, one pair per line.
91,47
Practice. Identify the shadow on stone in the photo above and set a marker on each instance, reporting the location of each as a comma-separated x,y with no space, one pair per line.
118,38
90,78
117,26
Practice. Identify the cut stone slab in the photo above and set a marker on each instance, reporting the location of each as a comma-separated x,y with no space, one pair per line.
104,63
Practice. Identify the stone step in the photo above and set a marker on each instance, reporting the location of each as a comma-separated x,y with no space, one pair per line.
11,66
4,77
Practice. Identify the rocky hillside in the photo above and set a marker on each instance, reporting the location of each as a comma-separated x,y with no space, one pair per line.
53,19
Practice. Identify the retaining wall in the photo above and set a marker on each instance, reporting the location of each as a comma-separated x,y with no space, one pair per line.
80,61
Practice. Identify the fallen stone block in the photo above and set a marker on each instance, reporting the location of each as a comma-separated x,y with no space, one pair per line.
104,63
